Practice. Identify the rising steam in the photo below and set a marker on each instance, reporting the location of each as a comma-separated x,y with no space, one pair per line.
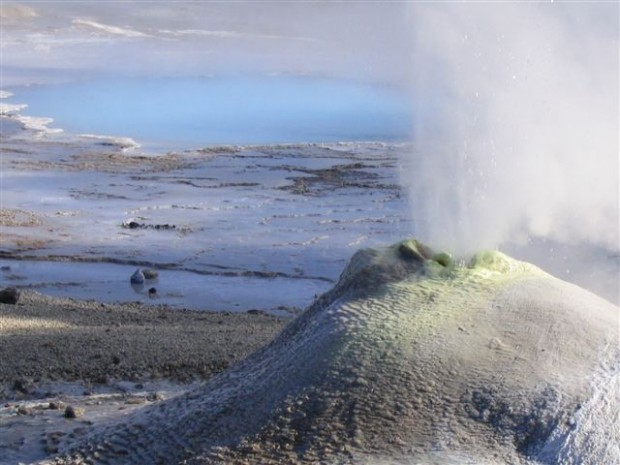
516,128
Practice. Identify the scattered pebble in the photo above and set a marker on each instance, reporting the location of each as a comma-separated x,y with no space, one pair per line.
55,405
256,312
24,410
137,277
155,397
73,412
10,295
150,274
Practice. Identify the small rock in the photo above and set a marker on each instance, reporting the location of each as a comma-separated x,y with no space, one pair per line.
155,397
55,405
131,224
73,412
10,295
152,292
137,277
24,410
116,360
255,311
150,274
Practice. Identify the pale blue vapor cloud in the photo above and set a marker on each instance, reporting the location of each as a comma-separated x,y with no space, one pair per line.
359,41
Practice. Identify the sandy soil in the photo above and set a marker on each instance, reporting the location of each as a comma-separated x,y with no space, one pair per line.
45,338
106,361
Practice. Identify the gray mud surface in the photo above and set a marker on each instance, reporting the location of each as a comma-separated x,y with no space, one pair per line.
46,339
212,220
101,361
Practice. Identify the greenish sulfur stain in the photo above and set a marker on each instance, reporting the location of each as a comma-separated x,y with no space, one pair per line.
411,249
501,264
444,259
441,291
485,262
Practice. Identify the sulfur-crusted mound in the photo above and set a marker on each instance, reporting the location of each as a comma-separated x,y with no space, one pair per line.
410,358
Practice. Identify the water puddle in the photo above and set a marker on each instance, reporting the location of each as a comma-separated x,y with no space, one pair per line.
197,112
110,283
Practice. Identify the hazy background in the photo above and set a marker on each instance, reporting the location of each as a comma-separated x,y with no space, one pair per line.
359,41
179,75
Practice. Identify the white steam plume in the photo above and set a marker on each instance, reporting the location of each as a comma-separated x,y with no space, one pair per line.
516,128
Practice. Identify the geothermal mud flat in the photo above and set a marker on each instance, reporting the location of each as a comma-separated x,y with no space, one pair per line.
228,228
410,358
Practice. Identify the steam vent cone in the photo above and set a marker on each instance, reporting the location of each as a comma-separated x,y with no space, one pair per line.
410,358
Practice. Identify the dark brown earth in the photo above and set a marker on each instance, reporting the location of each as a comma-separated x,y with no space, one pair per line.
45,339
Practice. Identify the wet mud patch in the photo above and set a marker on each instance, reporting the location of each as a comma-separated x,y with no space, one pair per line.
156,227
94,195
215,288
59,155
216,185
250,219
346,176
